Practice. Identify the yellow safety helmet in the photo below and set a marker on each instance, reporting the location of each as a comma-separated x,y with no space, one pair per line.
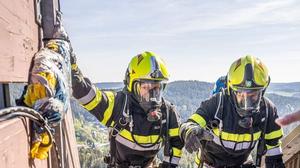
248,73
145,66
247,81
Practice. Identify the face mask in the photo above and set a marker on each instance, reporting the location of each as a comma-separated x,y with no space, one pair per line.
247,102
149,95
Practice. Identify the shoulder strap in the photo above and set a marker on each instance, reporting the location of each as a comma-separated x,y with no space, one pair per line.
217,122
261,147
122,118
167,148
120,123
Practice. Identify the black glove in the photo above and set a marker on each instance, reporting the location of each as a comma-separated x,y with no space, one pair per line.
193,137
76,74
274,161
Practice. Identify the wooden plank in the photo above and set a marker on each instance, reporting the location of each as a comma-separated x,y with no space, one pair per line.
2,104
19,39
291,145
68,146
15,145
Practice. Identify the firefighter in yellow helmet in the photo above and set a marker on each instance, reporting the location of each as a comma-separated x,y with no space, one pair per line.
141,120
227,126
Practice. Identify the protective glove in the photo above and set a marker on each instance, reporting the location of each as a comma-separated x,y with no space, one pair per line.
51,109
193,137
274,161
77,77
41,147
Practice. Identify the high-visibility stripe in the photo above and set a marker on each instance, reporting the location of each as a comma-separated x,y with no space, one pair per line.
97,99
134,146
274,151
108,112
274,134
176,152
198,119
237,137
174,160
197,158
150,139
89,97
174,132
233,145
112,123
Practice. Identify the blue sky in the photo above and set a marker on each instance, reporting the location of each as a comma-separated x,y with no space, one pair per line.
198,39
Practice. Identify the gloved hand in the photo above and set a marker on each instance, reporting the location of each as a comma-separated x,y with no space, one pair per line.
193,137
51,109
274,161
41,147
76,74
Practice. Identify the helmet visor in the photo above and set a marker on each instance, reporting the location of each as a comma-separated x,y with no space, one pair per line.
248,100
149,91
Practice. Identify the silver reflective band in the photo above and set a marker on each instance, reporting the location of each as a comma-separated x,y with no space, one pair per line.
230,145
274,151
174,160
134,146
89,97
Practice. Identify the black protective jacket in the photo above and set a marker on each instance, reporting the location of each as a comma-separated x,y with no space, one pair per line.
137,145
232,144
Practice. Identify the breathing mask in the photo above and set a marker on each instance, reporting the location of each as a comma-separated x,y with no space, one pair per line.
149,95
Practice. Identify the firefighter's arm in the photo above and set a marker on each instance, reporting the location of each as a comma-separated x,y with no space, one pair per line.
273,145
172,157
97,102
194,129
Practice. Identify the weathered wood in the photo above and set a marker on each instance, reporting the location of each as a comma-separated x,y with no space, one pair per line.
66,140
15,145
2,103
291,146
19,39
49,9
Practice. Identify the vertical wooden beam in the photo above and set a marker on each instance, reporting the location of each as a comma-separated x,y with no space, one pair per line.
2,105
48,10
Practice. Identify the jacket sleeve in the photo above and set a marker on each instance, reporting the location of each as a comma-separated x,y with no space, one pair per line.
175,142
203,115
97,102
272,136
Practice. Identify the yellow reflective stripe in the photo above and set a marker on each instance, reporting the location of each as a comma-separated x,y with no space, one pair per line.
96,100
197,158
198,119
139,138
108,112
112,123
274,134
236,137
176,152
174,132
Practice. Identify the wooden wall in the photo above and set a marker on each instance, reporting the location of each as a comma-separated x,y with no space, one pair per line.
18,39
